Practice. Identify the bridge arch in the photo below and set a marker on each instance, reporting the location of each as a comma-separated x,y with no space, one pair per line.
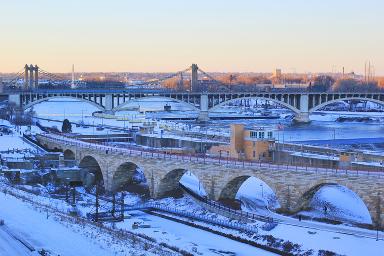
344,99
30,104
129,177
282,103
122,105
229,192
69,155
92,166
305,201
169,183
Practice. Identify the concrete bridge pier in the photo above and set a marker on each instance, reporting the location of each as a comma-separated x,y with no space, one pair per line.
109,104
203,114
303,115
15,98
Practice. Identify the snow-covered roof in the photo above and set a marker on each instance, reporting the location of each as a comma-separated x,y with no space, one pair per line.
316,156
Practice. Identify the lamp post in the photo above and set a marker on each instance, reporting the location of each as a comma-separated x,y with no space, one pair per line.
262,191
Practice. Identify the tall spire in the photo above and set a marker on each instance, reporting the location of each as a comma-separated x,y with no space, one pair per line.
73,76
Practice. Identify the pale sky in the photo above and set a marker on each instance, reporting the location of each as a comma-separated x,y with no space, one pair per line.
169,35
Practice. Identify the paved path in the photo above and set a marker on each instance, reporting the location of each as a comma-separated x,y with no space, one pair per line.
11,246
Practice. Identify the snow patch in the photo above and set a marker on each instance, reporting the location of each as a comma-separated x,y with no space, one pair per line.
341,203
190,181
255,194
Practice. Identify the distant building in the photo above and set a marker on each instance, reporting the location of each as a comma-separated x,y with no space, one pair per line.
1,85
247,143
277,73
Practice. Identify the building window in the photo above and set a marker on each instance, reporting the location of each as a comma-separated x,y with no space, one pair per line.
254,154
254,143
261,135
253,134
269,135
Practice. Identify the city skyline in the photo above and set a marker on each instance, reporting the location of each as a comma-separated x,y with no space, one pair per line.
220,36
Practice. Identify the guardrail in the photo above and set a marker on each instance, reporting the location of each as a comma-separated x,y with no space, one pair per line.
222,208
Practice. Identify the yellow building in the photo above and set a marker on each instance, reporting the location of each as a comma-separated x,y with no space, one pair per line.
249,144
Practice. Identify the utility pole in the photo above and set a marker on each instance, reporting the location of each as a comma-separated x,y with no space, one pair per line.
122,206
113,204
73,196
66,193
378,217
97,204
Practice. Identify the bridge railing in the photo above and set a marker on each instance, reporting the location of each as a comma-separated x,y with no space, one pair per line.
226,161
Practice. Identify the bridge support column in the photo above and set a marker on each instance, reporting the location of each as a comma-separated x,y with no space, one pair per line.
303,116
203,114
108,104
15,98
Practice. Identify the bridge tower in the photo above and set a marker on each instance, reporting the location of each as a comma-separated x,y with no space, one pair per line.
180,84
195,81
36,70
31,76
31,70
26,75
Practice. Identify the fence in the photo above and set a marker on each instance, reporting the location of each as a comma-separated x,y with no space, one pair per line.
152,206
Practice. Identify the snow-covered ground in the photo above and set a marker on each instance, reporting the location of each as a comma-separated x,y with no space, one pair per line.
44,230
192,239
196,241
13,145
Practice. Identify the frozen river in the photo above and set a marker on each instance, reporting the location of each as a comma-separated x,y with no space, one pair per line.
323,126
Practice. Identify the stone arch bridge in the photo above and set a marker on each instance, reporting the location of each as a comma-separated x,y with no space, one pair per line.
301,103
292,187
